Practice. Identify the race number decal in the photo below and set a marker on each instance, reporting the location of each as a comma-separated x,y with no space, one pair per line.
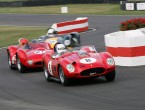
88,60
67,42
50,67
13,59
39,52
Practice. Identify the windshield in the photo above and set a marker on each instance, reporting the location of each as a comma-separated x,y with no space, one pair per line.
83,50
88,48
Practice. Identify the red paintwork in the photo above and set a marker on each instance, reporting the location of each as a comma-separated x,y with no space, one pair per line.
126,51
74,59
74,30
34,53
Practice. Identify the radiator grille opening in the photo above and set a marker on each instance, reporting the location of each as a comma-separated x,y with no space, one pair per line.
38,63
92,71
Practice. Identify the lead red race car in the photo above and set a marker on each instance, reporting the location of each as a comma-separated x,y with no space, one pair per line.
81,62
26,54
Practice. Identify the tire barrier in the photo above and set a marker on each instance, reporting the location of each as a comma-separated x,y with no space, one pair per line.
127,47
78,25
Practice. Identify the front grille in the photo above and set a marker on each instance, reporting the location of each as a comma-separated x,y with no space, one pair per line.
92,71
38,63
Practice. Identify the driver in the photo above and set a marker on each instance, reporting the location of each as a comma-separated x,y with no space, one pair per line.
59,50
51,33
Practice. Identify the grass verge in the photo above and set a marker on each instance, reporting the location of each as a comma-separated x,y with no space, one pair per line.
98,9
9,35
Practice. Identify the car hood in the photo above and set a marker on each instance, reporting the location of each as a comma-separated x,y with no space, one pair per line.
90,59
35,54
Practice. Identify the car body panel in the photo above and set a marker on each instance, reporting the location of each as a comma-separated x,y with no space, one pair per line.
33,53
69,40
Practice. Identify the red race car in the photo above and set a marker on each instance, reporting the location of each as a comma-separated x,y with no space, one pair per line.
81,62
26,54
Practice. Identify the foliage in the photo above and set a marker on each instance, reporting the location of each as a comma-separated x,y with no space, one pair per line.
132,24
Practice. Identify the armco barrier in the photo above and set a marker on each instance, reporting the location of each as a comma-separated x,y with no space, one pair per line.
78,25
127,47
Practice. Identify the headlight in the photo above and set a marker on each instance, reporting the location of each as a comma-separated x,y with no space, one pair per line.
30,62
70,68
110,61
67,42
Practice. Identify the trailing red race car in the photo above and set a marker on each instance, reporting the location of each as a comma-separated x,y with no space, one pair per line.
82,62
29,55
26,54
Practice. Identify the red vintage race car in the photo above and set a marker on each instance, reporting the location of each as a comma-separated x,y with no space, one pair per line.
26,54
81,62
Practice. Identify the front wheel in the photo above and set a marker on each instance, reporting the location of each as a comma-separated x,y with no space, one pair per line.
20,66
63,79
110,76
12,66
46,74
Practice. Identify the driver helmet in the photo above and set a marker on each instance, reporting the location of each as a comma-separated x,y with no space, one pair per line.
60,48
51,32
22,41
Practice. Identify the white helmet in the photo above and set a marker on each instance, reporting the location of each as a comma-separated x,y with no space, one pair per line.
60,48
51,32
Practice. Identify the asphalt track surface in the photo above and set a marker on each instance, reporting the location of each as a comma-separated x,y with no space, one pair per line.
30,91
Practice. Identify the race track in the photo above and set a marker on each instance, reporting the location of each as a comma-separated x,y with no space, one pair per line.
30,91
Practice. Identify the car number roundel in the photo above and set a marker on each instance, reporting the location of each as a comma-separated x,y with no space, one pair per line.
39,52
50,67
88,60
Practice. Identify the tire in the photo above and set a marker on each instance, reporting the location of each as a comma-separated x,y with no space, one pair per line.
110,76
63,79
12,66
20,66
46,74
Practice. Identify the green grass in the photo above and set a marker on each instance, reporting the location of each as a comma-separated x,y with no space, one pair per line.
10,34
97,9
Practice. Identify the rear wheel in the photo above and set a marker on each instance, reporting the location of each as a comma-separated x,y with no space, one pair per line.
46,74
63,79
20,66
12,66
110,76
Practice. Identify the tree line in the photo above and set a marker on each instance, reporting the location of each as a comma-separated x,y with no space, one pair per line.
53,2
57,2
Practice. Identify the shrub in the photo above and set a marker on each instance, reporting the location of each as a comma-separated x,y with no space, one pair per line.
132,24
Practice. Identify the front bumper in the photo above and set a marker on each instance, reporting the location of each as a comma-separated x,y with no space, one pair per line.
88,73
35,64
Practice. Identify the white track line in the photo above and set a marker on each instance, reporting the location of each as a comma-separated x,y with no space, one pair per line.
24,26
3,48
